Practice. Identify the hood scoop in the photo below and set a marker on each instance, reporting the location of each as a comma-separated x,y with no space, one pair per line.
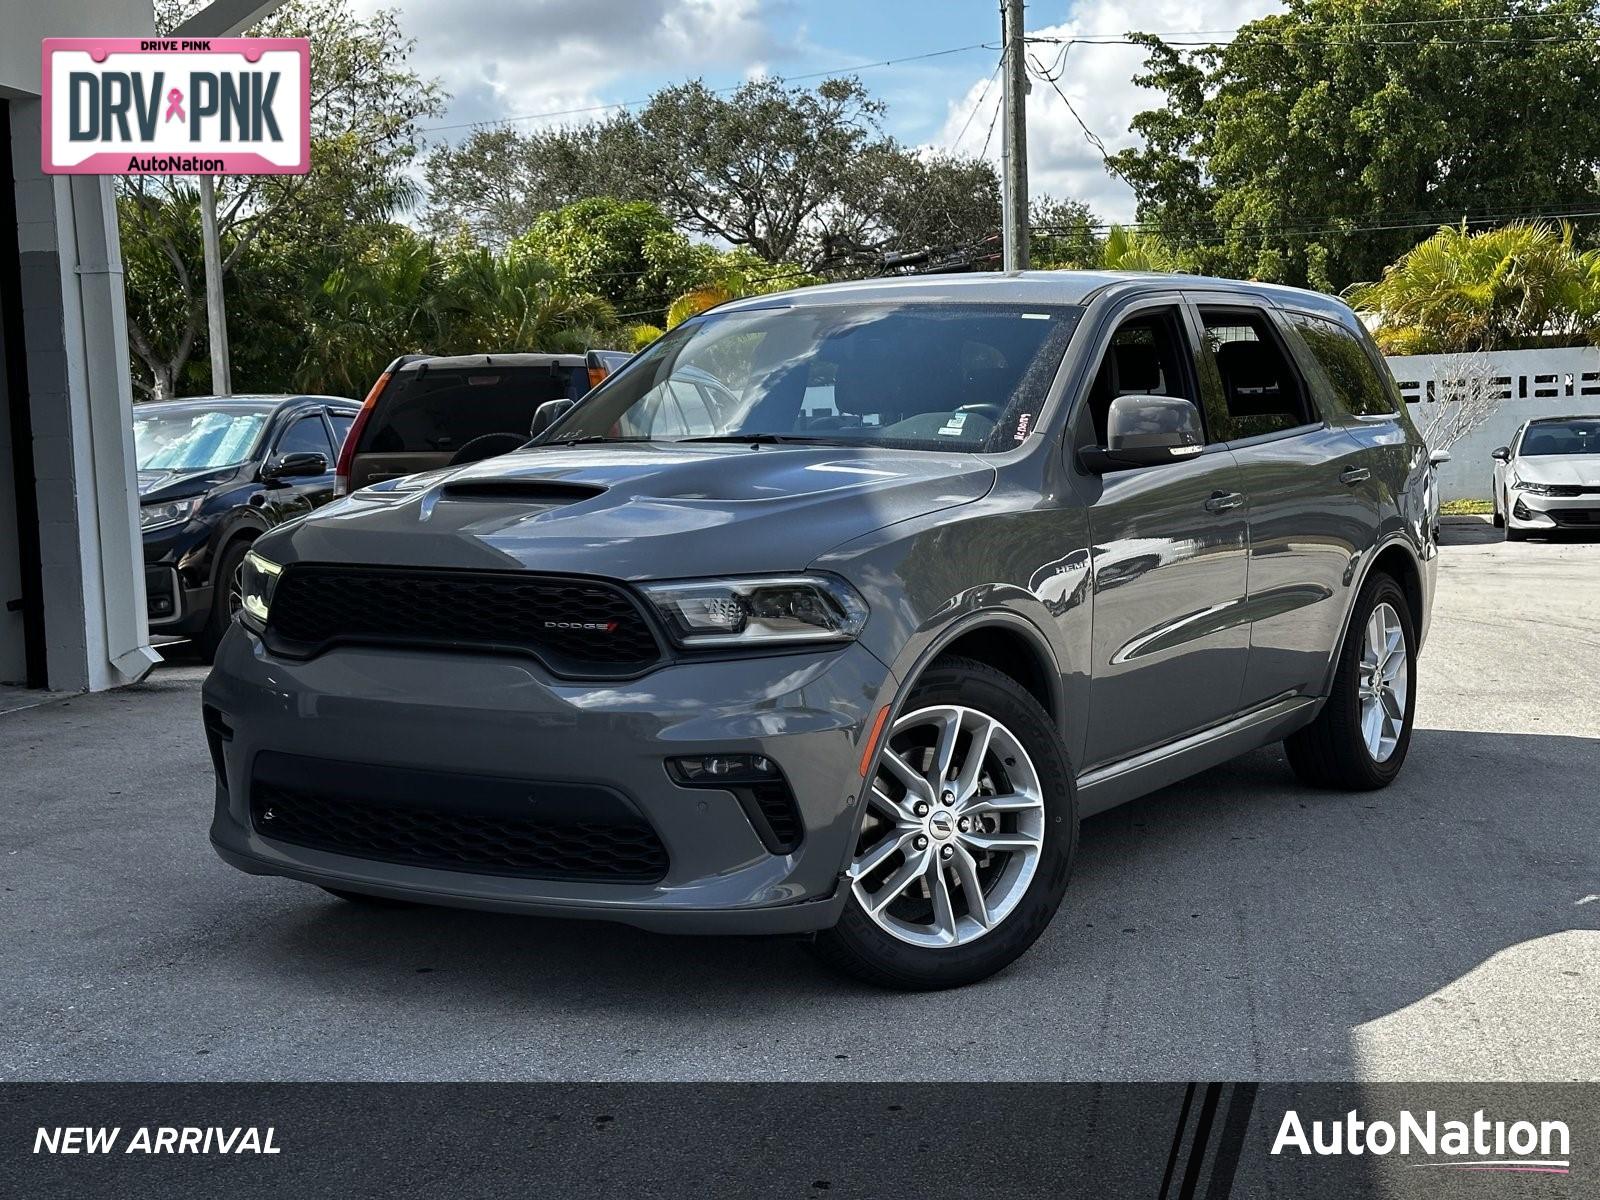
520,491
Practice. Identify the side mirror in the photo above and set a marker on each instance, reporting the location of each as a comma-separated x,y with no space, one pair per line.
547,414
1501,454
296,466
1146,431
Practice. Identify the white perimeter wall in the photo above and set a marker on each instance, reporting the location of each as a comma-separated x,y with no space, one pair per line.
1527,383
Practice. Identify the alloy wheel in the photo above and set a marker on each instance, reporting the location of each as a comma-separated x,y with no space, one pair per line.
1385,682
236,591
953,830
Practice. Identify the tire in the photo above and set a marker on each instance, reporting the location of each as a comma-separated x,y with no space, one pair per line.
1334,751
1023,793
1515,535
362,900
221,615
1499,516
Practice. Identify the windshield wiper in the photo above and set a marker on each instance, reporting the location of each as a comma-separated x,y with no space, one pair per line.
765,439
587,439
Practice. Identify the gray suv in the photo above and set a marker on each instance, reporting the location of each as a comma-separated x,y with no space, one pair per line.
832,613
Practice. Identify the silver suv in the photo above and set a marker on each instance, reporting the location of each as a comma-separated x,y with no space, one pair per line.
832,613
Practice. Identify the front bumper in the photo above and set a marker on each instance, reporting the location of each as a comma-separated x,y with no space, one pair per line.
1547,514
505,718
177,579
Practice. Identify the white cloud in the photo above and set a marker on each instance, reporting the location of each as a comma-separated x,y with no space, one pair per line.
501,58
1098,80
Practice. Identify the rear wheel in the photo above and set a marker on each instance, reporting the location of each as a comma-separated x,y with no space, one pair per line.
967,840
1359,740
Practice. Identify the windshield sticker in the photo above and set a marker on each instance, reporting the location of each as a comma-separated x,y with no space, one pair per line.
953,427
1022,426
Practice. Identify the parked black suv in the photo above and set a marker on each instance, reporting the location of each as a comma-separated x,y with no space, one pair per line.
214,473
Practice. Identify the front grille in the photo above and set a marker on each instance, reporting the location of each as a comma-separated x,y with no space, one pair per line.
477,824
1582,518
578,627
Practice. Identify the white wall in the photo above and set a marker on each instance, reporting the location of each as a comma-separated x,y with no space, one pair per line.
1526,383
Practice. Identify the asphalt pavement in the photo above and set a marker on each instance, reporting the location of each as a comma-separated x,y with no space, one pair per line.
1235,926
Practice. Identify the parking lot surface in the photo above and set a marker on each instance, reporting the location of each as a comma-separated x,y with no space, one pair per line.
1233,926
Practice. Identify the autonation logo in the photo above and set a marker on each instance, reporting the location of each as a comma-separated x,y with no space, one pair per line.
1480,1144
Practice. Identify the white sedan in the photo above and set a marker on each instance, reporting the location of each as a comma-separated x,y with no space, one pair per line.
1548,478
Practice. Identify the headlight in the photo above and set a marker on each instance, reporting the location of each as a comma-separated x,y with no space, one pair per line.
759,611
167,512
1545,489
258,577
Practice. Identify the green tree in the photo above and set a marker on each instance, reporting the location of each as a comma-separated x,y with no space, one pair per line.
1316,146
498,180
369,310
791,174
1515,287
625,251
1063,234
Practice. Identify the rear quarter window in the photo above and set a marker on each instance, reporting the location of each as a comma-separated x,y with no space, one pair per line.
1357,385
442,409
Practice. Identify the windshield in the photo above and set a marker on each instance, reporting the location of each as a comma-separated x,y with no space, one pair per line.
195,439
1564,437
904,375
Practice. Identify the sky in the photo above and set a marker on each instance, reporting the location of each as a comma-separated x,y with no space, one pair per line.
501,59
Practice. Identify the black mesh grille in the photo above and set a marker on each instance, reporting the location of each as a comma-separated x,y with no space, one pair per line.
455,823
1583,518
576,627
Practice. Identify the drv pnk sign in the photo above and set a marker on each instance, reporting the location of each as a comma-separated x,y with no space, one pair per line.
177,106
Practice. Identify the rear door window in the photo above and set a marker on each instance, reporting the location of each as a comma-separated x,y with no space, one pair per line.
1262,392
1356,387
442,409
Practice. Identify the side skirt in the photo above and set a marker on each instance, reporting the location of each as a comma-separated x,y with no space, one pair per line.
1116,783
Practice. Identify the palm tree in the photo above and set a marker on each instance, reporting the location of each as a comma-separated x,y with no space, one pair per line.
1516,286
1131,250
370,310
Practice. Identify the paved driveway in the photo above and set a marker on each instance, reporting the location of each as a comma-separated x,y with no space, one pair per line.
1234,926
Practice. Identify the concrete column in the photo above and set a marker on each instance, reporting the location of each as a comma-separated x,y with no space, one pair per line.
80,400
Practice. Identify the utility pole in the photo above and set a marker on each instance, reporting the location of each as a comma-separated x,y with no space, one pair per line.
216,316
1014,146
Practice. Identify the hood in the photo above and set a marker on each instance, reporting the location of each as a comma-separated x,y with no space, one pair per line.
1582,470
174,485
641,511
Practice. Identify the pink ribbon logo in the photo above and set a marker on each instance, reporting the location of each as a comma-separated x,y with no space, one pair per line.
175,105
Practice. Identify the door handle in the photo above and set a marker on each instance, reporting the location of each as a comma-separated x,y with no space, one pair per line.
1223,501
1354,475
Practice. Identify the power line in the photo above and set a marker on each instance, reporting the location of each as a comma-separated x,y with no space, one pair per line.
722,91
1263,231
983,95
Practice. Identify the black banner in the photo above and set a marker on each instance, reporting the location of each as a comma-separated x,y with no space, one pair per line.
890,1141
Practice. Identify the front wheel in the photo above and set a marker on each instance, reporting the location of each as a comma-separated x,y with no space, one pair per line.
968,837
1359,740
225,600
